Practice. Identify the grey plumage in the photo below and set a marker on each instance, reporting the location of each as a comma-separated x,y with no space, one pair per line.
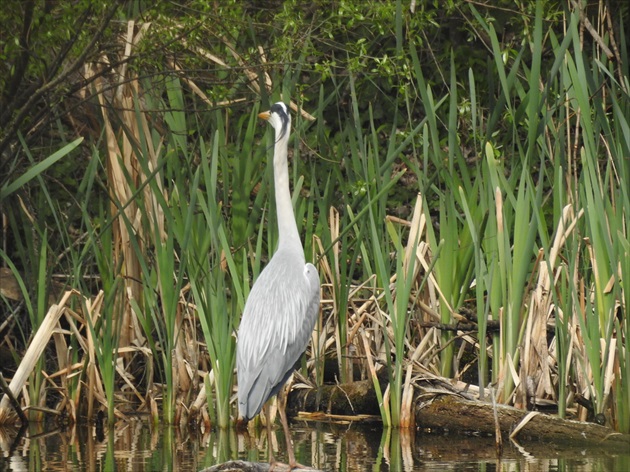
283,304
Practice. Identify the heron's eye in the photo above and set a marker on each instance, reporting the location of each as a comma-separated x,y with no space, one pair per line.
281,110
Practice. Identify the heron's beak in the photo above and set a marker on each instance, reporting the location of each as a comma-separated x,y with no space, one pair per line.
264,115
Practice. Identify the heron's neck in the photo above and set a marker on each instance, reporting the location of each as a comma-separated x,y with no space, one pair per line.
287,227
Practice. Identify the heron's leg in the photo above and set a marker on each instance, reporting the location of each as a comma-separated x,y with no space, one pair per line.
272,460
282,406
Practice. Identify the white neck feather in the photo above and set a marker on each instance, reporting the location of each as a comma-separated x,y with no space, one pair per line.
287,227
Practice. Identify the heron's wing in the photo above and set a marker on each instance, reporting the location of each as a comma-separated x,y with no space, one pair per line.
277,323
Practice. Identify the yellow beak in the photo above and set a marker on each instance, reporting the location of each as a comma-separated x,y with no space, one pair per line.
264,115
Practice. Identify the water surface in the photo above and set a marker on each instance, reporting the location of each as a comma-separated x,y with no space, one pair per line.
136,446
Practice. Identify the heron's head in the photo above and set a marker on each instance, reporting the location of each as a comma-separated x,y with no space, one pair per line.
278,116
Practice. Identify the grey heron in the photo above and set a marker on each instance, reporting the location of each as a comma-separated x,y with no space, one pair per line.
283,304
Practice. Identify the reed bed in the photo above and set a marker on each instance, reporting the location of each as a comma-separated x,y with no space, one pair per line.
502,269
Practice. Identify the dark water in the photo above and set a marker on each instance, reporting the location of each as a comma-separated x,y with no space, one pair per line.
136,446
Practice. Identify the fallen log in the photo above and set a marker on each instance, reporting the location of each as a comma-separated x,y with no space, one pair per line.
356,398
438,406
450,412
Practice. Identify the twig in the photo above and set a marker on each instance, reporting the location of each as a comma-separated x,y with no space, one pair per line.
17,120
522,424
497,426
587,24
615,49
14,403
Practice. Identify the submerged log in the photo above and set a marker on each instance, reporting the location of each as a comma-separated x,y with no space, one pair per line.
244,466
448,411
